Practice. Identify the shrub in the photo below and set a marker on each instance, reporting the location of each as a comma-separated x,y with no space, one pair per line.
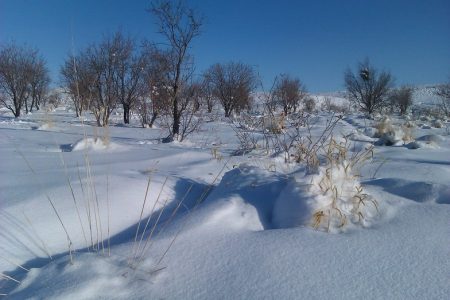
368,89
443,91
309,104
401,99
339,196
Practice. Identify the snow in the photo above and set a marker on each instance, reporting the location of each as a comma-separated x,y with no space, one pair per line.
235,227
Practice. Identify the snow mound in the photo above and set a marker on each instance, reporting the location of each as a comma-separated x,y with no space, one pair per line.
437,124
417,191
84,279
243,199
94,144
292,208
370,132
420,144
429,141
434,138
44,126
360,137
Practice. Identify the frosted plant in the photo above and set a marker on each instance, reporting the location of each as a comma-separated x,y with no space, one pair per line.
338,197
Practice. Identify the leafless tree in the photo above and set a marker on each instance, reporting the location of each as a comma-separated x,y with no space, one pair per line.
157,99
443,91
208,94
189,100
39,82
232,84
179,25
401,99
289,92
368,89
102,62
78,80
15,76
53,99
129,70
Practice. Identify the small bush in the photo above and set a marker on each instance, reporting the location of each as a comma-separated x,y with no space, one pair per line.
309,104
390,134
401,99
340,198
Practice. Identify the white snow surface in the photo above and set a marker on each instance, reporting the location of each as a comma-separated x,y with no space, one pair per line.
242,232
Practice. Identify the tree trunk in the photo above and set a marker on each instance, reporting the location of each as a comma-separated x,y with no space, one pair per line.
126,113
176,118
26,105
17,107
154,116
227,110
37,103
210,107
32,104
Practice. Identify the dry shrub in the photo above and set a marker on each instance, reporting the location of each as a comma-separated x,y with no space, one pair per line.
274,123
390,134
309,104
340,199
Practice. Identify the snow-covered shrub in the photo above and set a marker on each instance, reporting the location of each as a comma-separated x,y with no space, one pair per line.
437,123
274,123
246,128
409,124
338,198
390,134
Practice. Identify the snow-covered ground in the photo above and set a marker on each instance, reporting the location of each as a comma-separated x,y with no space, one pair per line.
227,227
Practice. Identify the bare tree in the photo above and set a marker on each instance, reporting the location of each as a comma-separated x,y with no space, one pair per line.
289,92
129,73
157,99
179,25
368,89
401,99
232,84
103,62
78,81
208,97
53,99
189,100
39,82
15,76
443,91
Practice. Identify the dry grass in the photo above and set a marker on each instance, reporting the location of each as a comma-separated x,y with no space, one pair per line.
215,153
342,198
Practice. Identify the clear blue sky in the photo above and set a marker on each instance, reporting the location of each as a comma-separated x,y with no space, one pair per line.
314,40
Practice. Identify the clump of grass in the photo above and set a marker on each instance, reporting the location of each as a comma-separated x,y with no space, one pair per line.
273,123
341,198
216,153
390,134
383,127
407,133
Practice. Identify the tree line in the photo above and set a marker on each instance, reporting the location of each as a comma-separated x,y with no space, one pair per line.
160,82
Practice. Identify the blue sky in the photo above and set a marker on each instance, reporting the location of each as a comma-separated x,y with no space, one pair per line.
314,40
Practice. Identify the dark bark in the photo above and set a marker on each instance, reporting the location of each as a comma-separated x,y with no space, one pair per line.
126,113
153,119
